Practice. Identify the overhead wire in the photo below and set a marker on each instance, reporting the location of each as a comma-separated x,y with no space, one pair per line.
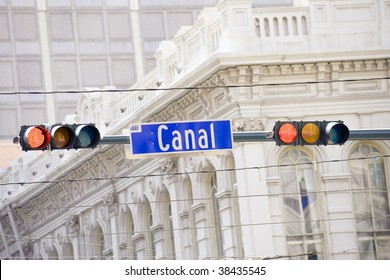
103,90
190,172
129,203
147,231
225,258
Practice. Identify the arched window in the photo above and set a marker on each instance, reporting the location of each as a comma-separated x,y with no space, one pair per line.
304,25
216,218
300,205
276,26
168,226
285,27
257,27
190,244
294,26
97,243
131,254
151,245
371,202
68,253
266,27
171,243
53,254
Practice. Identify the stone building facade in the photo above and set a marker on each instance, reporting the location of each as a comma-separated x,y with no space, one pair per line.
78,45
318,60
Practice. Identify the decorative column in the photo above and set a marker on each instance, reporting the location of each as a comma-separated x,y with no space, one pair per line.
73,232
171,181
158,240
227,222
186,237
253,201
16,233
341,233
202,236
140,243
28,250
46,61
110,200
238,28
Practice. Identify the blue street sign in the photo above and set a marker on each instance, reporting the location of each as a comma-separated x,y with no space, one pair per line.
180,137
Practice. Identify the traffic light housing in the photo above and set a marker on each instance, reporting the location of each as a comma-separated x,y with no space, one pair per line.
310,133
59,136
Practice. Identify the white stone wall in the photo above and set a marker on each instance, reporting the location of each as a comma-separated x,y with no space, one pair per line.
99,204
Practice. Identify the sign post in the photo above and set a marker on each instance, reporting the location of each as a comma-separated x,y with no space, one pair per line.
195,137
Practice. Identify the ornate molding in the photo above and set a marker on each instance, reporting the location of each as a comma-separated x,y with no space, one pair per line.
73,225
169,167
28,249
110,200
249,124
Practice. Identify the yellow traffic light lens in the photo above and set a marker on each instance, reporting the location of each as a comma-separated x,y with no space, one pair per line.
37,137
61,137
287,133
310,133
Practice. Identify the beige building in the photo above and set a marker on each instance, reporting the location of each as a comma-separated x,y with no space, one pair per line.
316,60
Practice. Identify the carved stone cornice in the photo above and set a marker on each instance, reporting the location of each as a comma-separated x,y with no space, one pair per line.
248,124
28,249
169,167
110,200
73,225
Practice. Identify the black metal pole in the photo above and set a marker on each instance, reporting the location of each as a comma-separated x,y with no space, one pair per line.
267,136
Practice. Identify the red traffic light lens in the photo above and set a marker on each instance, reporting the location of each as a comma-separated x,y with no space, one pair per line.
37,137
287,133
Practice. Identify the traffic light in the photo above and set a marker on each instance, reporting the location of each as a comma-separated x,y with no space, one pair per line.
58,136
310,133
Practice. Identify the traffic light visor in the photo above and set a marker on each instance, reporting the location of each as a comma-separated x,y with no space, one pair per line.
310,133
37,137
287,133
87,136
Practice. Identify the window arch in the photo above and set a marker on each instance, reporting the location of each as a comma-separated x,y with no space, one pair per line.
129,229
191,246
151,244
217,236
300,205
371,201
68,252
97,243
167,219
53,254
171,250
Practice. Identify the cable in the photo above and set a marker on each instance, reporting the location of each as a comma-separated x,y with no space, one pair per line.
190,172
226,258
286,194
284,165
186,88
147,231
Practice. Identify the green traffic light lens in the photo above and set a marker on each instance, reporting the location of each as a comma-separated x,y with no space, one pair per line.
338,133
88,136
